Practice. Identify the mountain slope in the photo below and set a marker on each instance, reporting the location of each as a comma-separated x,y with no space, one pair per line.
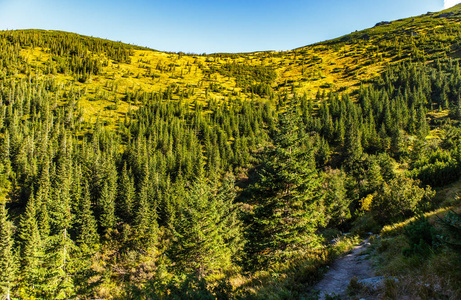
106,71
129,173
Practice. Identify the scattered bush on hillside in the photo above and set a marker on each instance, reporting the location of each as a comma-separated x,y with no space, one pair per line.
399,199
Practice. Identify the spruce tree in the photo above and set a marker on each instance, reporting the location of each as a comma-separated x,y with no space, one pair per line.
43,201
32,251
231,228
336,200
146,217
353,142
288,205
107,218
206,232
7,261
87,233
374,177
127,195
59,282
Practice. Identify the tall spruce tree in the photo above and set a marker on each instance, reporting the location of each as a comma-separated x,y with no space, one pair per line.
59,282
126,195
32,252
7,261
206,234
288,205
107,218
231,228
146,217
87,233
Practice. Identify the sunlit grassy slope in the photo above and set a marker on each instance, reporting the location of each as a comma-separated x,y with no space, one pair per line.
337,65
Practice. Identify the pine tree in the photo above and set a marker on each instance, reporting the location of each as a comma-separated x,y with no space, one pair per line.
336,200
127,195
107,217
288,205
206,234
87,233
7,261
146,217
32,251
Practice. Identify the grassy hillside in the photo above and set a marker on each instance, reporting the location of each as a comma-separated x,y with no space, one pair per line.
341,65
419,254
129,173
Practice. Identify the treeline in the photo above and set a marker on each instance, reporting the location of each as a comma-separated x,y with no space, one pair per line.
69,53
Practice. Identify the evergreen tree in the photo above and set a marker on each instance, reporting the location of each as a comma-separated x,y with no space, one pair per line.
107,218
59,282
288,205
336,201
7,260
127,195
353,143
206,234
32,251
87,233
43,201
170,201
422,122
231,228
146,216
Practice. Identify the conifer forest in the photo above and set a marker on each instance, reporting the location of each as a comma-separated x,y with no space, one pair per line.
129,173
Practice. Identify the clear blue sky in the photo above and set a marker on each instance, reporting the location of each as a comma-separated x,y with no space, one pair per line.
200,26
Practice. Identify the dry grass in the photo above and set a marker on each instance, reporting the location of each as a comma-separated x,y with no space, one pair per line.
433,275
309,70
338,65
291,280
397,228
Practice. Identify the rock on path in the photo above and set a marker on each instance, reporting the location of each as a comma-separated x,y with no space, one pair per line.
343,270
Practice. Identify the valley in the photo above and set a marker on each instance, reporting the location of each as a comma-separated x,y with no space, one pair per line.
131,173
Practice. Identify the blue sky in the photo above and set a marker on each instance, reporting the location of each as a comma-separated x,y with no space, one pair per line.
203,26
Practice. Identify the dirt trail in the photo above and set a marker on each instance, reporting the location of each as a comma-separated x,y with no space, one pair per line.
353,264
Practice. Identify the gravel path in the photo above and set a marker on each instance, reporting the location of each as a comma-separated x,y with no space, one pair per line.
343,270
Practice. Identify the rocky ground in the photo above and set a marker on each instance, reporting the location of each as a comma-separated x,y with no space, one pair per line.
355,265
